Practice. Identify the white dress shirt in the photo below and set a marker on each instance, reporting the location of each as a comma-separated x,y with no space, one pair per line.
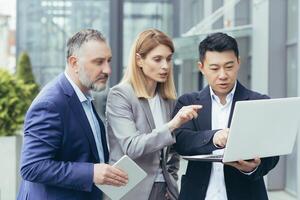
219,120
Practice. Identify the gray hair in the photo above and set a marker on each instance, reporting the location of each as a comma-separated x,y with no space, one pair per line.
81,37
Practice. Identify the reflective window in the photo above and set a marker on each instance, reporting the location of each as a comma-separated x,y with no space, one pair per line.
292,71
292,15
198,17
292,79
291,164
141,15
44,26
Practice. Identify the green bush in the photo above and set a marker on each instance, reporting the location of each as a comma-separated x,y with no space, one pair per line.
15,98
24,72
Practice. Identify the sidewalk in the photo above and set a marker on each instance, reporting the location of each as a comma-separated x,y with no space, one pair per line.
273,195
280,195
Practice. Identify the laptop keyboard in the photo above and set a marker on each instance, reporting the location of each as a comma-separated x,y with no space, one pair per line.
216,156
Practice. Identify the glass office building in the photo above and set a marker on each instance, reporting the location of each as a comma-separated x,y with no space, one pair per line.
43,27
267,32
140,15
4,41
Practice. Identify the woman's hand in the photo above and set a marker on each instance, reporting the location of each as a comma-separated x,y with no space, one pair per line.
186,113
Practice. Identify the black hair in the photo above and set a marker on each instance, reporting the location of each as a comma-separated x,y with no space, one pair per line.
217,42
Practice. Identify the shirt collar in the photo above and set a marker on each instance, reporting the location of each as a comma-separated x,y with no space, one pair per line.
229,96
81,96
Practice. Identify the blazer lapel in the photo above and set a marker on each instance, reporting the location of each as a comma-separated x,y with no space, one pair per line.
240,94
147,111
166,113
76,107
83,121
204,117
103,136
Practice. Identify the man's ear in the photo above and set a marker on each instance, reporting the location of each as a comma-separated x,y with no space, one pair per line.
73,63
72,60
239,62
200,67
139,60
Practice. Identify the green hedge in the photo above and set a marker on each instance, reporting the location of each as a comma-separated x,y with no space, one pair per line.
15,98
24,72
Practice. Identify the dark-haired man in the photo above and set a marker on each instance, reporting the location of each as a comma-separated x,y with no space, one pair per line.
242,180
65,151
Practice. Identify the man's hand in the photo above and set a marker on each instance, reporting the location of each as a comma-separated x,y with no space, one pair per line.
220,138
105,174
245,166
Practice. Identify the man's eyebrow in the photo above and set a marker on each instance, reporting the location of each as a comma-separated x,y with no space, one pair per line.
229,62
213,64
100,59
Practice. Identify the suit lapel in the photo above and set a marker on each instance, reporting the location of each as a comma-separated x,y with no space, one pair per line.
145,105
240,94
204,118
166,113
103,136
204,98
76,107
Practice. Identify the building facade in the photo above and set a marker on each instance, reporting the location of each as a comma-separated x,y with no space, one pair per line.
267,32
43,27
4,42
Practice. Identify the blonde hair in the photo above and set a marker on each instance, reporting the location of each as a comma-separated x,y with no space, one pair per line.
144,43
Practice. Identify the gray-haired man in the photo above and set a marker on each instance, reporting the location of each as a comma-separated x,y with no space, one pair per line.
65,150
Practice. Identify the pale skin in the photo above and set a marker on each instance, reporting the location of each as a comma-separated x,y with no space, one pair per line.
156,67
94,57
221,70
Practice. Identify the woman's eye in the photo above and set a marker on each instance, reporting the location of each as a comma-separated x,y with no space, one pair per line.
169,59
157,59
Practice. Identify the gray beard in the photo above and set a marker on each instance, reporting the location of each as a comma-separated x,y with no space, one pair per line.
85,81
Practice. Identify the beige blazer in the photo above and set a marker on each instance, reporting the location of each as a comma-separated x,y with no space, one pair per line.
131,131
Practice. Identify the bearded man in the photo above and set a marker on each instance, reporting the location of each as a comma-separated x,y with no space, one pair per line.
64,154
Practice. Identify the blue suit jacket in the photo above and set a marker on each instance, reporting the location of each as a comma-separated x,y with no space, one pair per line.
59,147
195,137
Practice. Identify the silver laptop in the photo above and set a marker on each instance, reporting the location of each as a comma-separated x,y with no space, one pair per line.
259,128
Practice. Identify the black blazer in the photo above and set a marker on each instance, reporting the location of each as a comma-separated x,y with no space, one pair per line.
195,137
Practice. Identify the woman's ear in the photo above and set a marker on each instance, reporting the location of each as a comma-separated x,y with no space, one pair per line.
139,60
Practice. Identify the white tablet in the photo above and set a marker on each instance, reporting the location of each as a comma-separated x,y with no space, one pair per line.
135,175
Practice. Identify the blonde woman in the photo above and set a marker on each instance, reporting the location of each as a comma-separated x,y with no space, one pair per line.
139,116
